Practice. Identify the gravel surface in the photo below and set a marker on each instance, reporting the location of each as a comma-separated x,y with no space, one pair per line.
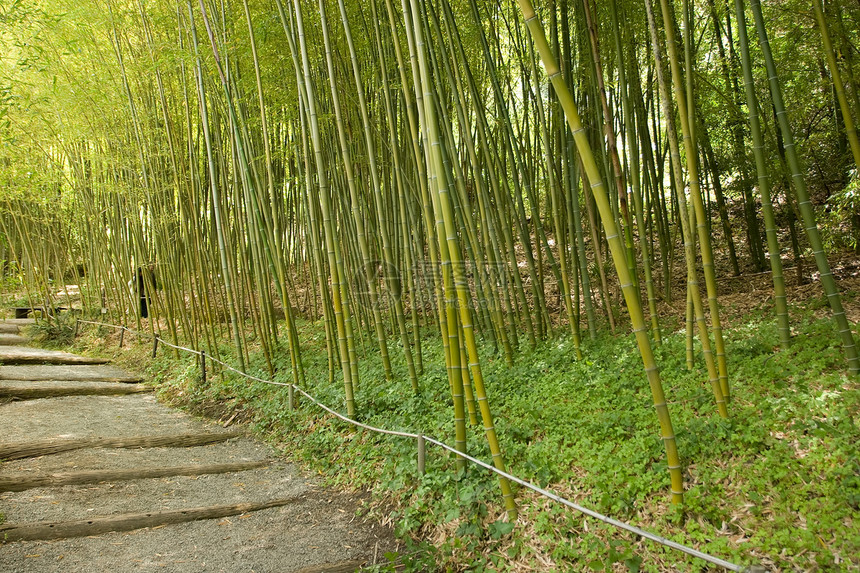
231,451
316,531
96,416
10,338
320,527
27,355
99,372
67,503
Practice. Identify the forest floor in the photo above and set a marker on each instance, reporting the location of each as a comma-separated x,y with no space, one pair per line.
776,485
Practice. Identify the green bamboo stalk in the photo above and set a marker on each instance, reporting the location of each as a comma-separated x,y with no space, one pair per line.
573,321
687,218
275,249
615,245
838,86
828,283
476,252
633,153
392,278
612,148
704,237
367,263
763,182
416,367
445,209
346,345
216,197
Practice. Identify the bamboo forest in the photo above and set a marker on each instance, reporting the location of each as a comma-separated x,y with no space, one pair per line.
611,249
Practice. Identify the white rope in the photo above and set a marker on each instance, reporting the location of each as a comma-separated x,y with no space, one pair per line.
350,420
164,342
591,513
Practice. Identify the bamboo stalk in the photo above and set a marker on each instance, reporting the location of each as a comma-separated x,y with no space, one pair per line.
616,247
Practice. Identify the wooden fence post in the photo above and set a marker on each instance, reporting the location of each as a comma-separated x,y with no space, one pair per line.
203,367
421,454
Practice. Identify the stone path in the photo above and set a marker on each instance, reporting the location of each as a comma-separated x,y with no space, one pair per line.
96,475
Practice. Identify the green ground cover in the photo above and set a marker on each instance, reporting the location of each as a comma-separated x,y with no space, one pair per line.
777,485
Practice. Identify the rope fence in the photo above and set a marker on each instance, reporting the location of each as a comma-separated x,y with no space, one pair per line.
422,440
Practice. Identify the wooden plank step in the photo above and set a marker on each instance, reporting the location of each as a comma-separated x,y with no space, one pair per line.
9,327
23,482
18,321
47,530
33,390
342,567
56,445
16,356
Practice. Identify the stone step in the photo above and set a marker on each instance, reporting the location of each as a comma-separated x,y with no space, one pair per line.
121,483
110,417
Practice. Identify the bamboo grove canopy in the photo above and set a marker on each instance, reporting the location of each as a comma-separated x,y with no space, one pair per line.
489,170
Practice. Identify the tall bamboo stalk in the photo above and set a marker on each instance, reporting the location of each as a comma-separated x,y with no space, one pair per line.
346,347
799,182
763,182
616,247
